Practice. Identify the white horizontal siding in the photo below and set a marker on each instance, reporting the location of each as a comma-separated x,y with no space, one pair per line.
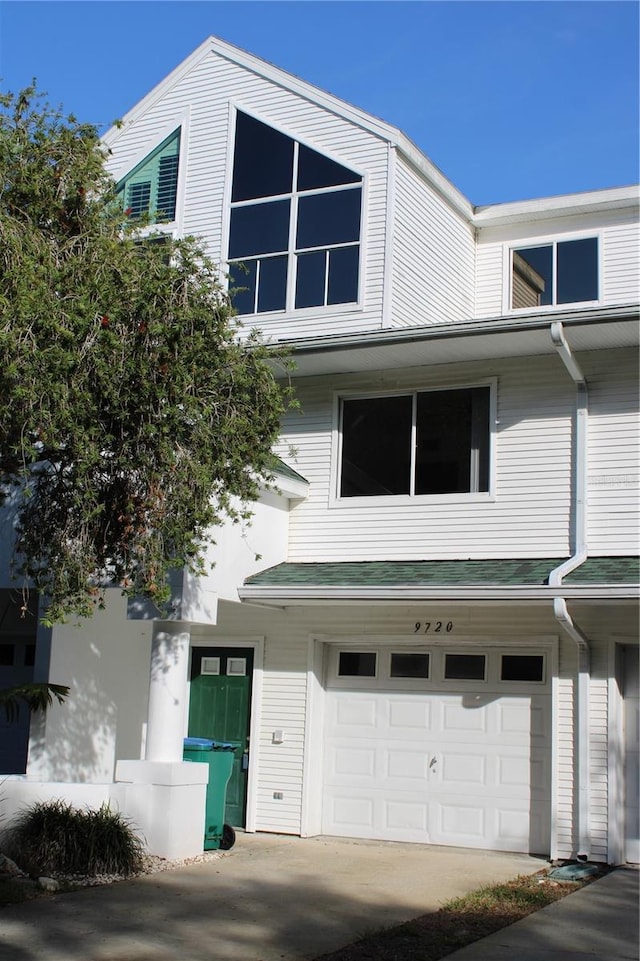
619,256
613,492
621,264
530,513
433,255
489,279
207,90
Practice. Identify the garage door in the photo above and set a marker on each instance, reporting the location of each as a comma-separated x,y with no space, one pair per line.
439,746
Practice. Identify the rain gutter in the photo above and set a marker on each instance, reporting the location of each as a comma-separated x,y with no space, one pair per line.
560,610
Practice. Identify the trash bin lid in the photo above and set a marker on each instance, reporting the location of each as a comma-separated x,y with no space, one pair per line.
197,744
222,746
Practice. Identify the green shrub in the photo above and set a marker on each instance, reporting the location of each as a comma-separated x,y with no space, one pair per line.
52,837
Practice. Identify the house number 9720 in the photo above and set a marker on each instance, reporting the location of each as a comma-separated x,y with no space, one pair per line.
433,627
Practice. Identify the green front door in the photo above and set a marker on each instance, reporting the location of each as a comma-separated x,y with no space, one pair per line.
219,708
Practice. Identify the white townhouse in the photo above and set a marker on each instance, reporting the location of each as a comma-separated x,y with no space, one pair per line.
440,643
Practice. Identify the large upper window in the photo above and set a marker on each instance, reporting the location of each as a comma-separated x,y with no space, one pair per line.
563,272
152,187
427,442
294,234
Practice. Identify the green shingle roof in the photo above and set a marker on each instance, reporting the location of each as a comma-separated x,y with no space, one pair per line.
597,570
606,570
285,471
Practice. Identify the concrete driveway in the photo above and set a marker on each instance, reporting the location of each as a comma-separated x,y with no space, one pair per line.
272,898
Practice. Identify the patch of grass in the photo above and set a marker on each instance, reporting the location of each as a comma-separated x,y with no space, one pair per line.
459,922
53,838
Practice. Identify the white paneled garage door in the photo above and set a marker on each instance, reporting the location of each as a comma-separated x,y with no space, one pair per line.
442,746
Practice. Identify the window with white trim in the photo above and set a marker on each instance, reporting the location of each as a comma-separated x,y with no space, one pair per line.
152,186
294,232
424,442
561,272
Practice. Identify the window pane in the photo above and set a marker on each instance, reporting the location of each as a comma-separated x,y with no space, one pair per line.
262,162
531,282
30,655
259,229
522,667
6,654
577,271
243,276
326,219
272,284
357,664
464,667
409,665
452,453
343,275
480,438
376,446
310,279
316,170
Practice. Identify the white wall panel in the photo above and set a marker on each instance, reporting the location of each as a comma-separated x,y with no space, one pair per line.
621,264
619,256
207,90
528,517
433,255
614,452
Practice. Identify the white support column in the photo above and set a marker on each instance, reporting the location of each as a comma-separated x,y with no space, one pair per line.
167,691
163,795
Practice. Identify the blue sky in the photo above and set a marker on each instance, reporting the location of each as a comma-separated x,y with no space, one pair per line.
511,99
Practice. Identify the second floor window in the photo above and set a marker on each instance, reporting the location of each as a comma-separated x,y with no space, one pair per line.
562,272
427,442
152,187
294,232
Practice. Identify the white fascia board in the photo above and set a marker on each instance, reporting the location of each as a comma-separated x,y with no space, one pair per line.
563,205
291,488
290,596
360,118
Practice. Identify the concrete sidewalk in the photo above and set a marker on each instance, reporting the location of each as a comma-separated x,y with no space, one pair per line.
272,898
597,923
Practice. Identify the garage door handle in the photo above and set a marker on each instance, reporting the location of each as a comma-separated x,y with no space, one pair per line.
433,762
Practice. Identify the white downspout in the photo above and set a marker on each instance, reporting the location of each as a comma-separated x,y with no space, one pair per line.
581,709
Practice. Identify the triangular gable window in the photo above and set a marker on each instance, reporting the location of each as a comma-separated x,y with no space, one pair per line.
294,232
152,187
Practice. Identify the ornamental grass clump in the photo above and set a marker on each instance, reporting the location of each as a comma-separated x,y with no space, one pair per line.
54,838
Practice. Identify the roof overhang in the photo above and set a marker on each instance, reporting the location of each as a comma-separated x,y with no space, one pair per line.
503,581
384,594
486,339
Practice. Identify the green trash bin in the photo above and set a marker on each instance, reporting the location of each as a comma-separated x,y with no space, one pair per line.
219,756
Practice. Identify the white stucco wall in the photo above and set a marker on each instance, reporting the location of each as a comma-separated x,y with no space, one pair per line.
105,663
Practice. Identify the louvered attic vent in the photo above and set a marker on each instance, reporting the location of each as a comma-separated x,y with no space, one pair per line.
152,187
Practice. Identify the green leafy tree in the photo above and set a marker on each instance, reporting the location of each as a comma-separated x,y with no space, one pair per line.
133,419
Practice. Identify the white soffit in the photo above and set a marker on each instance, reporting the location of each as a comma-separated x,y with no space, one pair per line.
457,343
